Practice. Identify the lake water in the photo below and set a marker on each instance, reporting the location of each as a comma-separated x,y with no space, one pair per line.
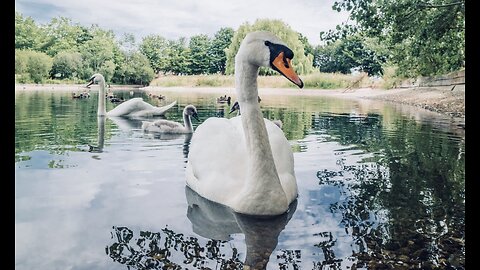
381,186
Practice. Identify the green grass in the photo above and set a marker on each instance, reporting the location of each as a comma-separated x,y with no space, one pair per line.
315,80
194,81
25,78
390,79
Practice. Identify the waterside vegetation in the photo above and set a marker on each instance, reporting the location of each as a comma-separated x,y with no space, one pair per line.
382,43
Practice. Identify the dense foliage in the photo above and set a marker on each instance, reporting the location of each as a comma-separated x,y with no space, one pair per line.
423,37
74,52
414,37
32,65
301,61
347,54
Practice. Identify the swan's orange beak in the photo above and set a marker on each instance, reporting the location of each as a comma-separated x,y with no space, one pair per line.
283,65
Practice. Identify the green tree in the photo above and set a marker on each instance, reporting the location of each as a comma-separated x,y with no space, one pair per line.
179,57
28,35
33,65
66,64
62,35
21,60
107,69
301,62
308,48
156,49
349,53
423,37
97,51
199,57
218,46
135,69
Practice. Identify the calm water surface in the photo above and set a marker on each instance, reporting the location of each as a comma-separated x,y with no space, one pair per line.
381,186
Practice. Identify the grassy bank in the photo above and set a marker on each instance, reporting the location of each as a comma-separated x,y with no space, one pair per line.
316,80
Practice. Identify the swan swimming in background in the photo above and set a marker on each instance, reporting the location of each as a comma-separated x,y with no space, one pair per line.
134,107
256,175
167,126
236,107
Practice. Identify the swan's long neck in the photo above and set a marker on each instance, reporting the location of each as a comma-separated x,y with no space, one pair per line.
101,131
187,121
102,111
263,183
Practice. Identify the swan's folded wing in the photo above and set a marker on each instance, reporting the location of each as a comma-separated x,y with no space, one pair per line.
130,106
151,111
217,143
283,158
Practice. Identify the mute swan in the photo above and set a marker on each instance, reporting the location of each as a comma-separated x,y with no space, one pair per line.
134,107
236,107
260,179
167,126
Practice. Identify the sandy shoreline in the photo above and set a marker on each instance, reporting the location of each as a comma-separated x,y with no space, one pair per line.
446,100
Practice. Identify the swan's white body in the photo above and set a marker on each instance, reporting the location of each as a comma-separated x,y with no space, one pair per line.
167,126
134,107
245,162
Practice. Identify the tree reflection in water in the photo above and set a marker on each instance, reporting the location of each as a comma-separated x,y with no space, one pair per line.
401,206
404,206
168,250
216,223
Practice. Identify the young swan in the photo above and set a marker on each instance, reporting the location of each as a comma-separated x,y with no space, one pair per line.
246,162
167,126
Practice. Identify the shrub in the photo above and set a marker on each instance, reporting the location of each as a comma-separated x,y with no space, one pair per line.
36,65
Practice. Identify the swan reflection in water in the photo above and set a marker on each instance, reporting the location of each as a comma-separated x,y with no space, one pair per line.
135,124
168,249
100,136
130,125
215,221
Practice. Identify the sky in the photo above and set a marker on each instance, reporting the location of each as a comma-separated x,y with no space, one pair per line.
173,19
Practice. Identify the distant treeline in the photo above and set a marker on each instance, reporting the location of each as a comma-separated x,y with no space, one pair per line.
430,42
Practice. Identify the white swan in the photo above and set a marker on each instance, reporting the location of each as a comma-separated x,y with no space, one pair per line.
236,107
256,175
134,107
167,126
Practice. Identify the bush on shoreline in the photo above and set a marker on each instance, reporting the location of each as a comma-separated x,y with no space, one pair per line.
317,80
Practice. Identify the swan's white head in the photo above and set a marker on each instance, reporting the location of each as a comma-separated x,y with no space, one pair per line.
192,111
264,49
95,79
